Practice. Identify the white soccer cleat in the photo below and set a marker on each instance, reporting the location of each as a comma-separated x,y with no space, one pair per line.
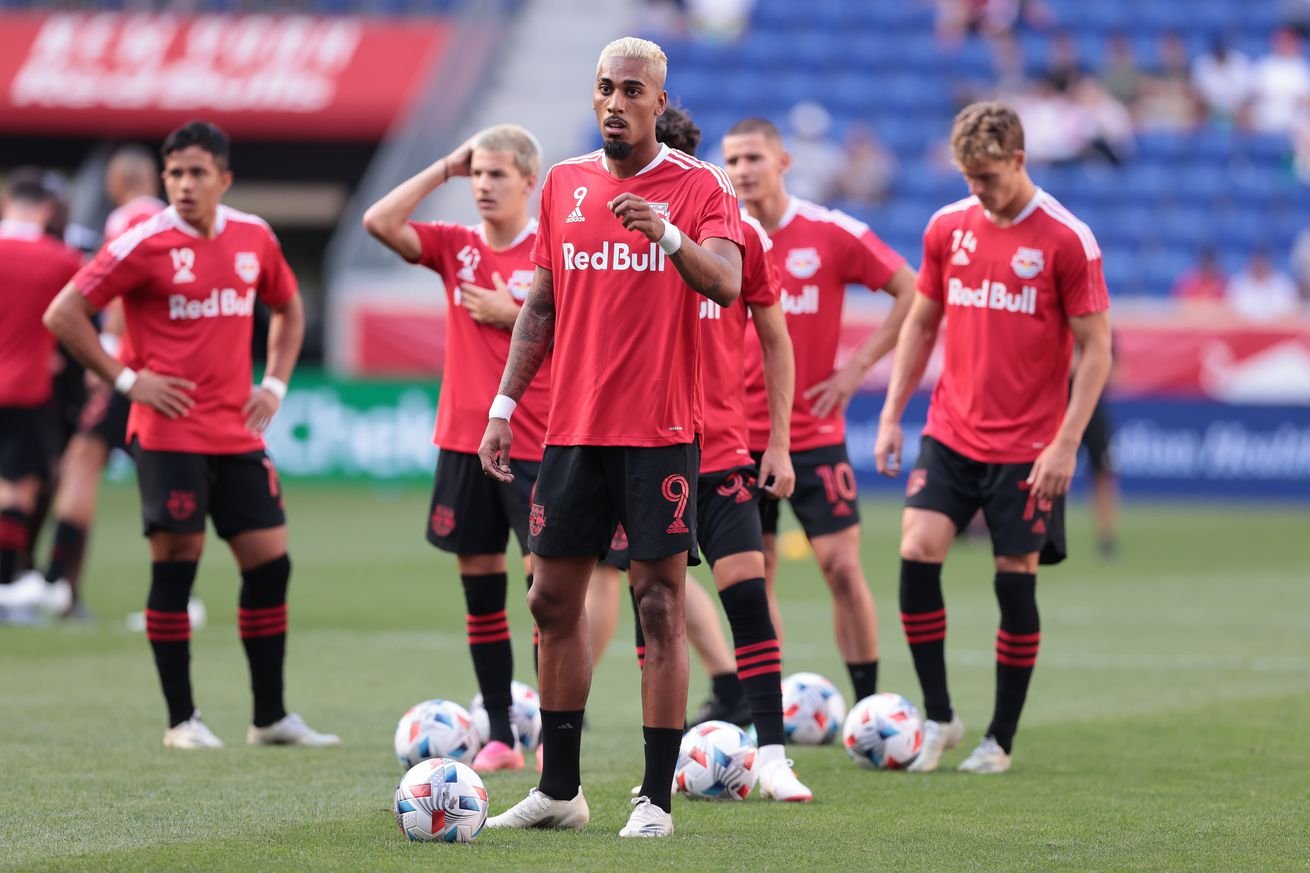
989,757
290,730
59,596
192,734
647,820
938,738
27,591
778,782
539,811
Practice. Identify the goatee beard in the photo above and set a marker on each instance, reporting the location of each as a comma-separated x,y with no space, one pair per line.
617,149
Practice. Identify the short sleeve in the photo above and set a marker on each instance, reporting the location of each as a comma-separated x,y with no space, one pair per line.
869,261
542,245
720,213
436,241
278,283
761,283
930,271
112,273
1080,280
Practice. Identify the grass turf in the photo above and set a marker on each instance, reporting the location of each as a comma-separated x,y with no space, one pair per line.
1161,731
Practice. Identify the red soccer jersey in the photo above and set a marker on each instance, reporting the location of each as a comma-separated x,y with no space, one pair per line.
723,374
1008,294
627,333
36,267
119,222
817,252
476,353
189,303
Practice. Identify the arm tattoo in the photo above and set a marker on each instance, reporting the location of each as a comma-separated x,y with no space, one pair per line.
534,331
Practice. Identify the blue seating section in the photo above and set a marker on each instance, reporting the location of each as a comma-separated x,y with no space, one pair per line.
878,63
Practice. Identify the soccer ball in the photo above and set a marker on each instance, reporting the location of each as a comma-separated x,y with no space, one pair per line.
524,716
441,801
716,761
436,729
883,732
812,709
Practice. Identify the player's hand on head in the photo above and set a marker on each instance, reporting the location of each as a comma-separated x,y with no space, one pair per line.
833,393
775,465
167,394
887,448
489,305
494,451
636,215
260,408
460,161
1053,471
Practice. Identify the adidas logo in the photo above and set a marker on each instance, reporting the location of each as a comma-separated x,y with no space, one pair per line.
567,726
959,259
575,215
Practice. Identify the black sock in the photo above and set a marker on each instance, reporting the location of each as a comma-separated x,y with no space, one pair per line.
561,771
661,762
66,553
759,656
727,688
491,649
639,636
536,640
1016,652
923,616
13,542
169,630
864,678
262,623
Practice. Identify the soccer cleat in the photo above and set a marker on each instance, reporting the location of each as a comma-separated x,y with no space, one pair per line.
539,811
938,738
647,820
989,757
290,730
28,590
714,709
191,734
495,755
778,781
59,597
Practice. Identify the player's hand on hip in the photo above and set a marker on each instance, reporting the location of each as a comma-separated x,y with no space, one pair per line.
775,464
494,451
167,394
833,393
1053,470
489,305
260,408
887,448
637,215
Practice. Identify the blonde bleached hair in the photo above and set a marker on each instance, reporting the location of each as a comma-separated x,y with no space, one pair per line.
639,49
516,140
985,131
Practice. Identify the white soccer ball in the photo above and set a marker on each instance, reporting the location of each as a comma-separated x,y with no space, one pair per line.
716,761
436,729
883,732
441,801
524,716
812,709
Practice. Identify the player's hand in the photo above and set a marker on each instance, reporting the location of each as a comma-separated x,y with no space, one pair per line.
490,305
1053,470
775,464
167,394
494,451
260,408
887,448
835,392
636,215
460,161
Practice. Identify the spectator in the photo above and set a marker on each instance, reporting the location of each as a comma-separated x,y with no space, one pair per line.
1122,77
1202,284
869,170
1280,83
1301,262
1222,78
1167,100
1299,134
1111,122
719,20
957,19
816,160
662,19
1062,67
1056,130
1262,293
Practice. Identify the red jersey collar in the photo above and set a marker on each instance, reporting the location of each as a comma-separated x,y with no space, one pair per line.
1028,210
21,230
528,229
793,206
659,159
220,221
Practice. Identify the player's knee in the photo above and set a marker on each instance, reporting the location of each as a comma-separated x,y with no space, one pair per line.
1017,563
661,619
178,549
844,575
546,605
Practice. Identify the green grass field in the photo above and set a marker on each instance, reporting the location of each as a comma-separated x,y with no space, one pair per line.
1160,732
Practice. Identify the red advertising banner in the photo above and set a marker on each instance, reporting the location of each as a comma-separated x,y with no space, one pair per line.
266,76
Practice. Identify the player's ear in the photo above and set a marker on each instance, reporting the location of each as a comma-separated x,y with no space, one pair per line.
1020,159
661,103
784,160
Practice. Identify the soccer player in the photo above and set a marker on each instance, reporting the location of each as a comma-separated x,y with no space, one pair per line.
36,266
486,271
1020,279
632,238
189,278
818,252
132,183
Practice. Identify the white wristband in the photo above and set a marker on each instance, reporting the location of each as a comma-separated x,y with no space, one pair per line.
502,407
672,239
125,380
275,386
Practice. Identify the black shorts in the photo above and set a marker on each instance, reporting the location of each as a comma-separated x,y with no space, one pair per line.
826,499
727,514
945,481
617,556
178,489
27,437
471,513
1096,439
105,417
584,491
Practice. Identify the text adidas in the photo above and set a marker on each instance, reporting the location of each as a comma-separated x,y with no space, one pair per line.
992,295
225,302
619,257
